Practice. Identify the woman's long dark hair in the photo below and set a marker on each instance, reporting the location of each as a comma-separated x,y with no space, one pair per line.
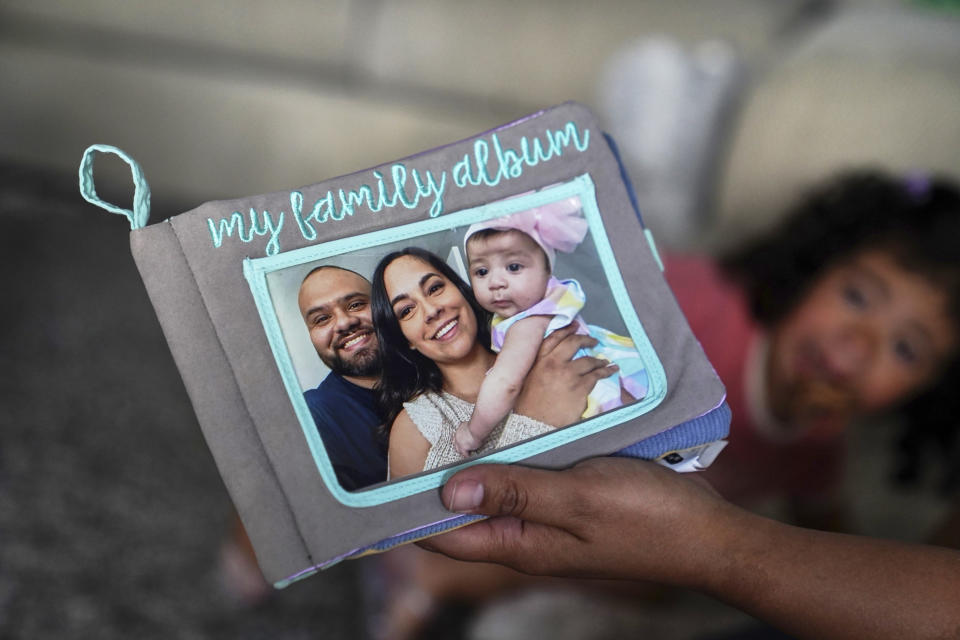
407,372
917,219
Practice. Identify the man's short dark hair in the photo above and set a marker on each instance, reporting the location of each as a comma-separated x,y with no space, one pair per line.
331,266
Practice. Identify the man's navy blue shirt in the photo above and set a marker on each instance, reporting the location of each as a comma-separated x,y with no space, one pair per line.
345,417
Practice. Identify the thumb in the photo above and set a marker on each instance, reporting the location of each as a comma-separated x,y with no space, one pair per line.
528,536
534,495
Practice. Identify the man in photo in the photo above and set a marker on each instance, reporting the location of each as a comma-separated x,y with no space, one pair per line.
335,305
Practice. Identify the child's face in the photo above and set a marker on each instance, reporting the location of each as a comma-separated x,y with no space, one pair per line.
508,272
867,335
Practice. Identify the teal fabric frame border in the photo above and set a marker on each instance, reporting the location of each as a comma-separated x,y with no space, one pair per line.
256,269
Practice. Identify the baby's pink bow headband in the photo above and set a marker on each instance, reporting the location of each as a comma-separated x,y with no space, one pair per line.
556,226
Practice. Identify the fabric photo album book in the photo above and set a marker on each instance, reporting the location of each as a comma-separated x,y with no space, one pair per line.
350,344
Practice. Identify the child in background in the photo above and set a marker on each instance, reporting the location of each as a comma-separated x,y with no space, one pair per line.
849,309
511,263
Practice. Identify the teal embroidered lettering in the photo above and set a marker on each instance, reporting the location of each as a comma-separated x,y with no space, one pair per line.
343,211
477,174
431,187
225,228
323,208
350,200
532,157
510,163
425,183
320,212
481,152
508,160
560,139
438,189
399,174
479,168
296,208
235,222
461,173
273,245
382,200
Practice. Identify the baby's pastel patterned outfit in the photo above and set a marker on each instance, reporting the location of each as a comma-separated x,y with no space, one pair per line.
563,301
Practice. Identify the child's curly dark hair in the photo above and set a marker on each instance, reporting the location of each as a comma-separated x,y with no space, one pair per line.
916,218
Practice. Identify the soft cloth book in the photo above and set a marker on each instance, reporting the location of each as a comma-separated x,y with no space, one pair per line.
322,332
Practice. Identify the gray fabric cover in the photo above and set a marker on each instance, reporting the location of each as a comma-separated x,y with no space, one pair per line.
208,315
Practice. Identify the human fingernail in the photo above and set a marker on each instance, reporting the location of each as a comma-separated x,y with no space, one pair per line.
467,496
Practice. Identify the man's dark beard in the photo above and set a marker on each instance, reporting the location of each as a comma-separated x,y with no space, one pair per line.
363,364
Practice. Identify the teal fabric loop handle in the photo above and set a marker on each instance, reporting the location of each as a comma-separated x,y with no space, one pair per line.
141,193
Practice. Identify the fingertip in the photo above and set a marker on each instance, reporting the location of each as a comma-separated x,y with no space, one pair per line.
463,496
566,330
556,338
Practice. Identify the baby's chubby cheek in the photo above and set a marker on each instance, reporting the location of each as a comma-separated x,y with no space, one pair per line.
483,295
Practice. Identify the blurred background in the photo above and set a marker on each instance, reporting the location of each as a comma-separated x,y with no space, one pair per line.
112,514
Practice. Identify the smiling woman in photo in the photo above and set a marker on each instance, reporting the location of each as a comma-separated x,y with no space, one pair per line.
433,336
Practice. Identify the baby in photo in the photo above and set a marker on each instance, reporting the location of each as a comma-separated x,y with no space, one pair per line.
511,262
